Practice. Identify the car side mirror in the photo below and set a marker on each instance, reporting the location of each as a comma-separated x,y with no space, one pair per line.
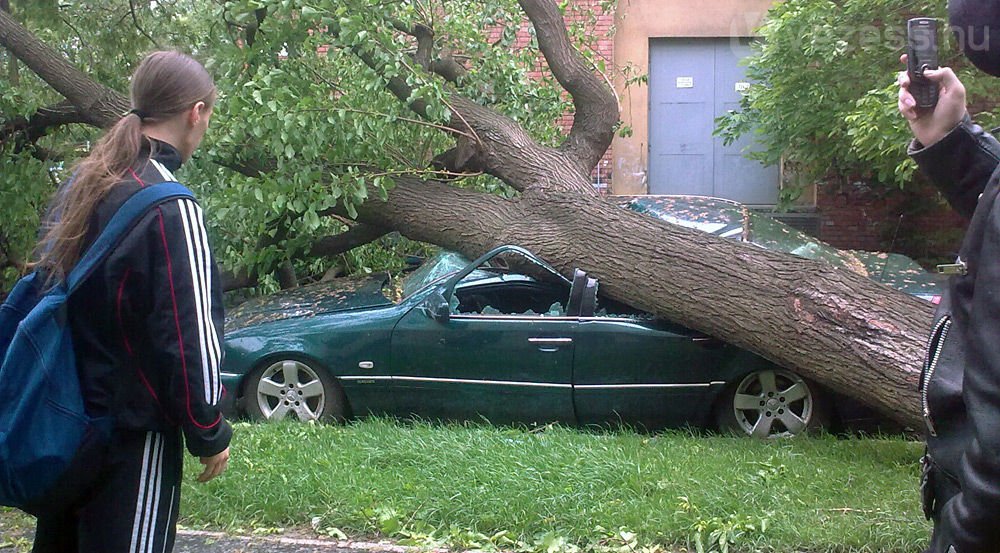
436,307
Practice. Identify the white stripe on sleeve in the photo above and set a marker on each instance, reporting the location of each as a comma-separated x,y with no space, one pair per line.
213,339
198,268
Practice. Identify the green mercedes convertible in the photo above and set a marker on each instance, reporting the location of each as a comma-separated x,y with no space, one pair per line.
506,338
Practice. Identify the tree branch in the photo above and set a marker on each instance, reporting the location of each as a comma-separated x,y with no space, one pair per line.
425,45
595,102
30,129
448,68
358,235
135,21
329,246
235,281
12,73
250,168
100,105
501,147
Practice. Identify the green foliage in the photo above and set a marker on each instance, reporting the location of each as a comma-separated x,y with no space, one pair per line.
826,102
293,88
24,182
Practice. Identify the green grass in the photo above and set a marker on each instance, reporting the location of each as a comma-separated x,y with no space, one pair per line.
555,489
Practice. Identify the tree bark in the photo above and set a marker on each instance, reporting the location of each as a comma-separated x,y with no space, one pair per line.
286,276
12,73
101,104
596,106
337,244
30,129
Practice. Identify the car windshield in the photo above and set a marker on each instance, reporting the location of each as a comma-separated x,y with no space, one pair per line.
774,235
431,270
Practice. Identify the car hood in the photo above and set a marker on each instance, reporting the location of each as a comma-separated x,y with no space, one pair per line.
343,294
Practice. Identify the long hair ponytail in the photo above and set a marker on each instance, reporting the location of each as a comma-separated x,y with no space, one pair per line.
165,84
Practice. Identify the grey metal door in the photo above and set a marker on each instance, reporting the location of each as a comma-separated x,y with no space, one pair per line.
692,82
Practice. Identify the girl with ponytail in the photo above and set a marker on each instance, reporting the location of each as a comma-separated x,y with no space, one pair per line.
146,324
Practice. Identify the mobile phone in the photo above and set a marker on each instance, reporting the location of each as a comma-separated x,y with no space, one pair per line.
922,48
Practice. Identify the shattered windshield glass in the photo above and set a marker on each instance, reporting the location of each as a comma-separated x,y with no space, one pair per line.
433,269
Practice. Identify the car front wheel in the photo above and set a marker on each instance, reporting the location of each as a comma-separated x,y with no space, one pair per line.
293,388
772,403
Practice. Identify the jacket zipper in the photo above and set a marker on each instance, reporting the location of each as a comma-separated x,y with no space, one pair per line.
939,335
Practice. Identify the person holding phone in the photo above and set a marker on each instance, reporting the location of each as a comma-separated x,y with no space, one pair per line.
960,380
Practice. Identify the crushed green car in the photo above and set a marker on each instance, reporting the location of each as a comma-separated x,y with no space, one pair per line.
504,338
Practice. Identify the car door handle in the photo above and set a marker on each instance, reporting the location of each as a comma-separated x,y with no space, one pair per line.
549,345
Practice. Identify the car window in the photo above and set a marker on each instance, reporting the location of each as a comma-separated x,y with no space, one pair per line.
774,235
513,297
610,308
511,284
431,270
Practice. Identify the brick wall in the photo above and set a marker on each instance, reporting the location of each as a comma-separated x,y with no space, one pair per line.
855,215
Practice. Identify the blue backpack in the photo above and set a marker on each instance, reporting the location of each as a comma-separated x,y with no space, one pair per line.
42,417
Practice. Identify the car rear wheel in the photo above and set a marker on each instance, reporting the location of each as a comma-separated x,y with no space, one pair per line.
772,403
290,388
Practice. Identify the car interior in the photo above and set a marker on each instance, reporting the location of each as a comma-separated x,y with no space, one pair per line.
514,285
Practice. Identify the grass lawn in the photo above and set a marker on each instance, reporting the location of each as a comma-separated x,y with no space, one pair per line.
556,490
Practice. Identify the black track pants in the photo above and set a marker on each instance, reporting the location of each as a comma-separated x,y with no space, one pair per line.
133,508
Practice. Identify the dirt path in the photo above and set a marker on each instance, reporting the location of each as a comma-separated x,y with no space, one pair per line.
17,531
189,541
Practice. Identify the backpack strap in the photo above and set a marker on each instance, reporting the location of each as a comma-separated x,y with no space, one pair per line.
123,220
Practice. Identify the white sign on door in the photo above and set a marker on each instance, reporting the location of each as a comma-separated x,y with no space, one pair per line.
685,82
742,87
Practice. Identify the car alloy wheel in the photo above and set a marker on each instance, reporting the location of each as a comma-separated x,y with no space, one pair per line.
292,388
772,403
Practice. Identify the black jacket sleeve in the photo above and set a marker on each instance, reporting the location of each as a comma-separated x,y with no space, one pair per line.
960,164
186,323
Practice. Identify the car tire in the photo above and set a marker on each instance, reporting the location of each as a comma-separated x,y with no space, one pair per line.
772,403
293,388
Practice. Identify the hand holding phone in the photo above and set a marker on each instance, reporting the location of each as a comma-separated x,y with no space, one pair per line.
922,50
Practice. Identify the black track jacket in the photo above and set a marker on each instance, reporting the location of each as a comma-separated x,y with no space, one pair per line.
147,323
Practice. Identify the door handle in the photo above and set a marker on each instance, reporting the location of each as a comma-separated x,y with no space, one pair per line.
550,340
549,345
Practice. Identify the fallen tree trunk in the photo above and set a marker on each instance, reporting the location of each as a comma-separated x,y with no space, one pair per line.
834,326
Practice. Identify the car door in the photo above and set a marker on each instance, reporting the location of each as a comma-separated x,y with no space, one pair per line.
631,368
505,354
